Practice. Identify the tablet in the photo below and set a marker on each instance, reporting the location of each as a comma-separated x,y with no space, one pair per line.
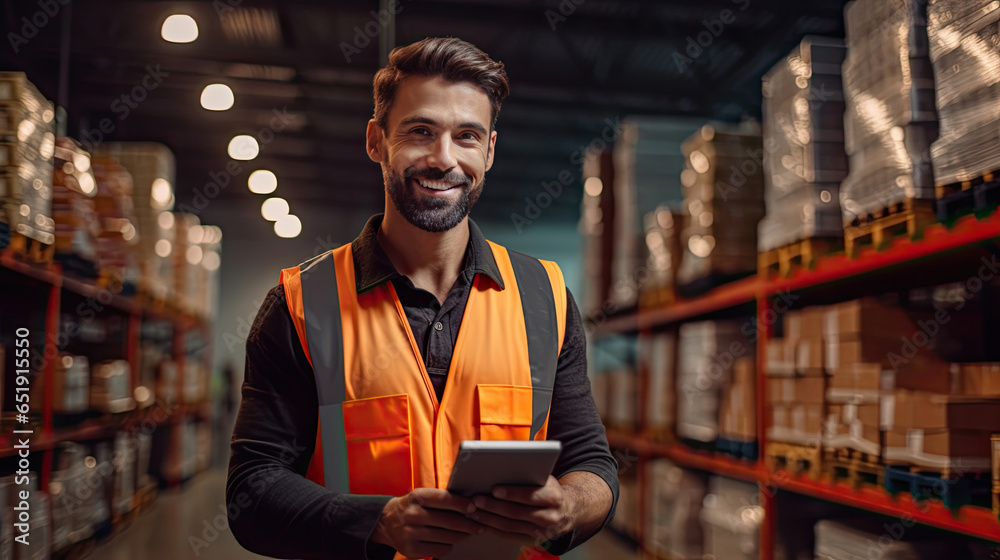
481,465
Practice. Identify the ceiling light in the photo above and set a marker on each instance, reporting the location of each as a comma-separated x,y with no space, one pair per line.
211,260
288,226
163,248
593,186
217,97
162,193
166,220
243,147
274,208
194,254
179,28
262,181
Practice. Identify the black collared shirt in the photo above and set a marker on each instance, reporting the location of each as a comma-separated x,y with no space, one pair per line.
275,511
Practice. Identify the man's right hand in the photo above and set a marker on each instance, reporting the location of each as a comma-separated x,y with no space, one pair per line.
426,523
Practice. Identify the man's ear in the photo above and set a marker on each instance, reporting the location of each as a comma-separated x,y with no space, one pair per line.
489,150
375,142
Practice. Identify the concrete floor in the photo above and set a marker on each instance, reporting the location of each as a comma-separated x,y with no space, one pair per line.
172,528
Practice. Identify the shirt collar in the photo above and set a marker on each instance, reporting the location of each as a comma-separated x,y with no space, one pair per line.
373,267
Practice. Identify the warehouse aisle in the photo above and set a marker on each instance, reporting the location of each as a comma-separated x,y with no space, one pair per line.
179,527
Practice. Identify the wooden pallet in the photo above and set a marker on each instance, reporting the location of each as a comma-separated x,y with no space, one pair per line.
980,196
942,191
908,218
923,483
30,250
857,467
795,459
801,254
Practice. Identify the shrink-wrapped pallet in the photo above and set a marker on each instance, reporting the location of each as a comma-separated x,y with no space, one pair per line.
663,256
707,352
27,143
724,199
152,167
803,130
77,225
731,520
890,118
597,220
965,53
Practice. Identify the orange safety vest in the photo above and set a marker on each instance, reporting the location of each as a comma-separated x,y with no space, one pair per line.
381,428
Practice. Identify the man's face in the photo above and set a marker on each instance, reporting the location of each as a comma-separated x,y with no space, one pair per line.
435,150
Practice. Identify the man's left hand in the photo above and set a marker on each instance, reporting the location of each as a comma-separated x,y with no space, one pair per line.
530,514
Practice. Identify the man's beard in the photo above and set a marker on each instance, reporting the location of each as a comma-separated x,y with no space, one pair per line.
433,214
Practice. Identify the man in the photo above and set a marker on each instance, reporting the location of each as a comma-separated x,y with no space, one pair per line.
368,365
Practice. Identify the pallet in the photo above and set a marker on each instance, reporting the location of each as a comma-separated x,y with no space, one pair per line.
856,467
745,450
795,459
908,218
30,250
996,499
801,254
978,195
922,484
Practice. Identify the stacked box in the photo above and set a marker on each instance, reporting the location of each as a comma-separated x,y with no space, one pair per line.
196,381
597,220
663,256
854,426
673,522
118,236
731,520
659,354
111,387
27,143
71,385
795,379
975,379
166,387
724,198
77,225
738,409
964,40
803,131
707,352
152,167
890,119
939,431
184,265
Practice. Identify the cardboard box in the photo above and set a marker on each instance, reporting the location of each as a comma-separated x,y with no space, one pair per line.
928,411
806,323
859,377
737,412
978,379
800,390
780,416
919,371
781,356
945,443
809,356
806,419
865,316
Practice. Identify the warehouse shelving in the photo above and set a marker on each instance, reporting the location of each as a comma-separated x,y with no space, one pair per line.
952,249
49,278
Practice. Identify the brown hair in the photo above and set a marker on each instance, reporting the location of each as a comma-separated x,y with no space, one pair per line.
453,59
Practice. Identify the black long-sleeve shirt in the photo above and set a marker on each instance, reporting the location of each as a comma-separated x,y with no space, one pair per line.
276,511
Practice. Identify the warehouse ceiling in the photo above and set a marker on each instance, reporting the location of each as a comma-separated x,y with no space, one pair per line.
303,70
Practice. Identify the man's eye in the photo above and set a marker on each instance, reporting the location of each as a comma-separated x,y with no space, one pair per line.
420,131
469,136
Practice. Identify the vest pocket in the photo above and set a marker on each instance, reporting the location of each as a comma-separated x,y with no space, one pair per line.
504,412
377,432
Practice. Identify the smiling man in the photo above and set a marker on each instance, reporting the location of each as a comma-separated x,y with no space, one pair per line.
368,365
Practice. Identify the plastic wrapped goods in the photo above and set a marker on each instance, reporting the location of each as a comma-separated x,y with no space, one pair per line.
724,199
965,53
804,159
890,119
731,519
875,539
27,143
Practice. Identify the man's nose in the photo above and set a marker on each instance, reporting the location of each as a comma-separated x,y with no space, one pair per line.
442,154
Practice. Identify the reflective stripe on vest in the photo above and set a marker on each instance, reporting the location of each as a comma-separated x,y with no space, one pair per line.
381,429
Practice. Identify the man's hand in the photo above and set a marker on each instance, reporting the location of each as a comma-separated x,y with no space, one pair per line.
528,514
426,523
